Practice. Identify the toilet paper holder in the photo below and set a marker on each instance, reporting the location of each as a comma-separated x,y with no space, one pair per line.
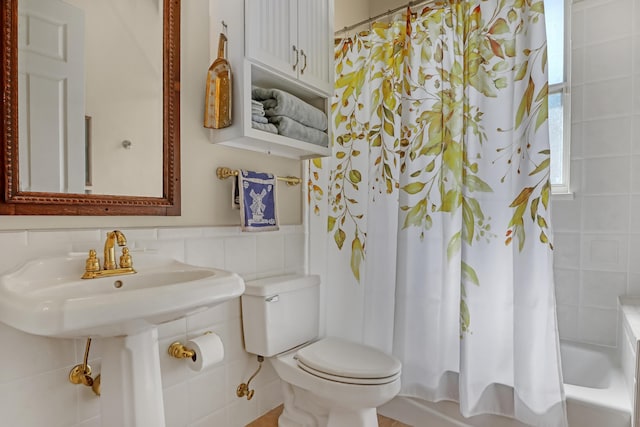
179,351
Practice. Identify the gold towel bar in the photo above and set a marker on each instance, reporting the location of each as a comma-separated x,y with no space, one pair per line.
224,173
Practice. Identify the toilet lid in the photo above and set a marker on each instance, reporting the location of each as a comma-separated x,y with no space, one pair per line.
335,358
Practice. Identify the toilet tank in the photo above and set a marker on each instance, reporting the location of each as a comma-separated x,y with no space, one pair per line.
279,313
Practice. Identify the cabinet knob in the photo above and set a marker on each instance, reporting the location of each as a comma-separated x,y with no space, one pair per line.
295,50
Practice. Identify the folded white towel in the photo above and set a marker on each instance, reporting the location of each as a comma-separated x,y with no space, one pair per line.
280,103
259,119
267,127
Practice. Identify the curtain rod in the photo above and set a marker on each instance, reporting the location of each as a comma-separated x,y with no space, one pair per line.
387,13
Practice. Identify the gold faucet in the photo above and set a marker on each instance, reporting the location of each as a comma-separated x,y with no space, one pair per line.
110,267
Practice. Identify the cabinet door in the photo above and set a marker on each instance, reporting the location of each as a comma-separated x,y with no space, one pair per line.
315,39
271,33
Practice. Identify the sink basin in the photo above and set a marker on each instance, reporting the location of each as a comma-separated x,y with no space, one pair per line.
47,297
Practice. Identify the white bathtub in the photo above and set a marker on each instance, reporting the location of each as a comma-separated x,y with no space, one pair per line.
595,389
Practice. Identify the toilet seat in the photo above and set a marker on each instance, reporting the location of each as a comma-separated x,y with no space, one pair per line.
342,361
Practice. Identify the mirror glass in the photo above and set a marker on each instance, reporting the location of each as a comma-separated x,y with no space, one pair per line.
90,96
91,107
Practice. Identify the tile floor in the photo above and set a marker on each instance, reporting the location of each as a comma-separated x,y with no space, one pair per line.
270,419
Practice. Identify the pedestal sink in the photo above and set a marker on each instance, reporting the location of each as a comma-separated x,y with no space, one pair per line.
47,297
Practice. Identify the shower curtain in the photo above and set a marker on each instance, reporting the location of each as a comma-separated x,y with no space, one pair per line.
436,203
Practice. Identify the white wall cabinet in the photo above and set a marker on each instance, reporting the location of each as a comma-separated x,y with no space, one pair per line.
261,36
293,37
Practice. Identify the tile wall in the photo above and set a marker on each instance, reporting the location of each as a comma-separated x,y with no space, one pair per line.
34,390
597,234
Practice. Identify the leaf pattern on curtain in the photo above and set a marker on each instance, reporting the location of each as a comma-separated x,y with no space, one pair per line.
406,124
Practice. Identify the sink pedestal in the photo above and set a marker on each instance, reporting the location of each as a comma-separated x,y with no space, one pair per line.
131,385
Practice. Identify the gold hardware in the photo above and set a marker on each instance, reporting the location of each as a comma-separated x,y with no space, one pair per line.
109,266
243,389
304,56
295,49
179,351
224,173
81,374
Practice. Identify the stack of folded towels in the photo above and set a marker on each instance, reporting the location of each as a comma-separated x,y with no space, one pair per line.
291,116
258,120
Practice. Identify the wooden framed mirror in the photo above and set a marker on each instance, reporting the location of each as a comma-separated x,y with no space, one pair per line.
15,200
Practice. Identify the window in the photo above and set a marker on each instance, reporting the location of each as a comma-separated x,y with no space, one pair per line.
559,105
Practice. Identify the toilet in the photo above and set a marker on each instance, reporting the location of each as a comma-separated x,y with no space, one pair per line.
326,381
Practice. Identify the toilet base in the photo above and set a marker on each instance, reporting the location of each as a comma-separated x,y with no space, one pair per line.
302,409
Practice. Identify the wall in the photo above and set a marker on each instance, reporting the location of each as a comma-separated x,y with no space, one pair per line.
34,390
597,235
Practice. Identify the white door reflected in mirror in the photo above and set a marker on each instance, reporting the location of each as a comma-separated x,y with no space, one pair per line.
97,59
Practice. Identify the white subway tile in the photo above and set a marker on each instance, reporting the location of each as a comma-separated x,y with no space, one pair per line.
270,254
635,174
134,234
634,253
240,255
171,329
607,137
243,411
633,287
168,248
602,288
636,133
577,103
55,397
207,252
577,176
607,252
577,140
567,283
207,393
180,233
566,215
608,60
176,405
270,396
577,27
606,213
607,175
37,355
566,252
294,253
636,93
598,326
636,45
608,98
568,321
608,21
577,65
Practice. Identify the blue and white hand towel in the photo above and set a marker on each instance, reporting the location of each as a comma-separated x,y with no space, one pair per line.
256,193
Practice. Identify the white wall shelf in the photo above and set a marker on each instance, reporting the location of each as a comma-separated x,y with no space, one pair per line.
247,73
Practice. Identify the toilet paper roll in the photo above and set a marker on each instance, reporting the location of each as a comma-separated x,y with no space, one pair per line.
208,350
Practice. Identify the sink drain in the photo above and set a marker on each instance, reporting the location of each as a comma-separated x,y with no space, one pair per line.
117,284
